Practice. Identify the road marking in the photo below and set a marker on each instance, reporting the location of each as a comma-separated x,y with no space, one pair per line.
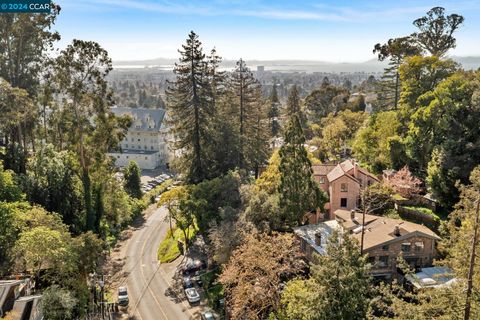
162,274
153,276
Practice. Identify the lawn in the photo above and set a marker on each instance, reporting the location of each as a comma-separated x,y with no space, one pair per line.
168,249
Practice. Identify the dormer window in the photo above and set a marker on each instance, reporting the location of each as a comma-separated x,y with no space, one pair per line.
344,187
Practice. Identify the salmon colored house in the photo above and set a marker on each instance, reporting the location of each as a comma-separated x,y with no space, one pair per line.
342,182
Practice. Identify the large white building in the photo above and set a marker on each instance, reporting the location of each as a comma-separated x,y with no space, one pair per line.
146,139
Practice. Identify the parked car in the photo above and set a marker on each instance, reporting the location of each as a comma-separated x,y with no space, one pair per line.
122,296
208,315
193,266
197,278
192,295
187,283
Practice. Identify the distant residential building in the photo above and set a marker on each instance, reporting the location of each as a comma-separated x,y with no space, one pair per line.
146,139
384,240
260,69
343,183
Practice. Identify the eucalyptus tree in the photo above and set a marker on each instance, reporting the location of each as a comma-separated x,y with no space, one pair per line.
92,129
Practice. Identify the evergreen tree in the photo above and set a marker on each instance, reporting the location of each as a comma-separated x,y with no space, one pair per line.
189,109
294,107
463,243
91,129
222,149
436,31
339,286
273,113
396,50
252,135
132,183
293,102
299,193
216,78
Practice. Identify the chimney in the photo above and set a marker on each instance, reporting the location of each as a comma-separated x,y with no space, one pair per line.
318,239
355,169
352,214
396,231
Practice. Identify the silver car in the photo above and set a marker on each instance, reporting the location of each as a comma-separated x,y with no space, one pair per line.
122,296
192,295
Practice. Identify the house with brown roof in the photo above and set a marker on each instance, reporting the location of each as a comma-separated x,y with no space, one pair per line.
385,239
343,183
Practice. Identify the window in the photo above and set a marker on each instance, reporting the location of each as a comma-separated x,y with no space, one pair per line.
383,261
371,260
127,157
344,187
419,246
321,180
406,247
343,202
146,158
126,145
138,140
385,247
151,147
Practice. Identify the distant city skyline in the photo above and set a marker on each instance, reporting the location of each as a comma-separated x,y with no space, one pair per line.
330,31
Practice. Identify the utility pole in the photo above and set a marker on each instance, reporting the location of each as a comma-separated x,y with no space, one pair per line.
472,264
363,230
102,302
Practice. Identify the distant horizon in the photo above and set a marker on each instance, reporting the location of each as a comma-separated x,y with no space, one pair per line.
288,60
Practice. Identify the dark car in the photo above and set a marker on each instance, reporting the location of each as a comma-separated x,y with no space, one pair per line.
193,266
187,283
197,277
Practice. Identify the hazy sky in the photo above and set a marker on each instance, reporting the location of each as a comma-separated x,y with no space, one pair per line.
333,30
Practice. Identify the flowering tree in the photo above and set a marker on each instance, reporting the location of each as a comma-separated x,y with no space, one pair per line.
405,184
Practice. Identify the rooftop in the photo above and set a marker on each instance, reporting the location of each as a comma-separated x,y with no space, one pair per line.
380,230
143,119
308,233
434,277
345,168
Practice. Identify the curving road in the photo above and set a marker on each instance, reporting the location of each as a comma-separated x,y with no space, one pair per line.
147,280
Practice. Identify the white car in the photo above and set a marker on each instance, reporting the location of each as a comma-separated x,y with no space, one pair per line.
122,296
207,315
192,295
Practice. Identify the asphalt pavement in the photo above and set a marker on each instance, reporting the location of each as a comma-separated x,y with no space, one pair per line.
148,282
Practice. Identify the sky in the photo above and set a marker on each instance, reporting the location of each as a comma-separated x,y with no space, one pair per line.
329,30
